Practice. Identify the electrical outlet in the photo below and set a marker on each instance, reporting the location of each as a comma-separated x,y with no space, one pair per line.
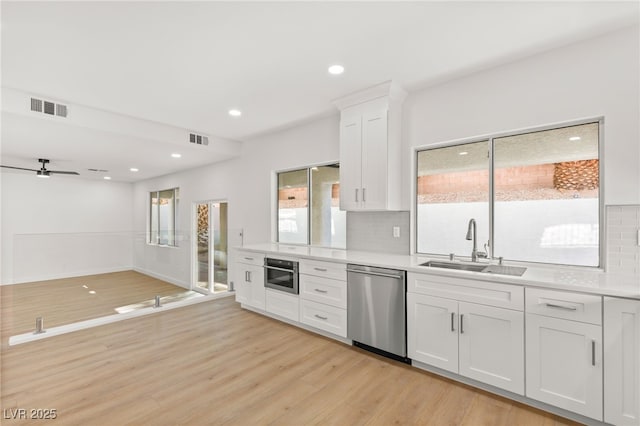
396,232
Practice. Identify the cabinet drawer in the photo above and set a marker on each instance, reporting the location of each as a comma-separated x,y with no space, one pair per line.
324,317
336,271
284,304
483,292
565,305
250,258
324,290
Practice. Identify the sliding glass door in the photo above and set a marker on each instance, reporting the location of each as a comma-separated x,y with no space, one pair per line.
210,247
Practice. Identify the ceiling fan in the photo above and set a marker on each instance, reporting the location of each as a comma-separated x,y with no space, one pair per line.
43,172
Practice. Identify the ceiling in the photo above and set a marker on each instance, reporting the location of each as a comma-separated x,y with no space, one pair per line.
185,64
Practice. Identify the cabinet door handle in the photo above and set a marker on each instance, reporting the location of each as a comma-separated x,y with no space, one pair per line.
453,318
322,318
593,352
320,291
555,306
363,195
246,276
356,195
320,269
249,276
461,323
248,258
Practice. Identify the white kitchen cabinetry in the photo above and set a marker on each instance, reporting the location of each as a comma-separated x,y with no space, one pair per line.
622,361
250,279
482,342
564,350
283,304
323,296
370,149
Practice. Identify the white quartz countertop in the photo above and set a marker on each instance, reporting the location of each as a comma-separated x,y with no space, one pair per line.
584,280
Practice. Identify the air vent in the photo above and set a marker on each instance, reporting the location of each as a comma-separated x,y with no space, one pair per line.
48,107
198,139
36,105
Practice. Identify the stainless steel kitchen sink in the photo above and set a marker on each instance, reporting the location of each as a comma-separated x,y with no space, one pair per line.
484,268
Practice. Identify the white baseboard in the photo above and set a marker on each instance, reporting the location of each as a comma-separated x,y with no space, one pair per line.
162,277
72,274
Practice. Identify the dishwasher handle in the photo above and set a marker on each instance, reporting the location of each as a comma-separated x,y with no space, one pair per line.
377,274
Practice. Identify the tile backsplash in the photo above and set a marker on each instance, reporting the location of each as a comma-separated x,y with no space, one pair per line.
623,251
373,231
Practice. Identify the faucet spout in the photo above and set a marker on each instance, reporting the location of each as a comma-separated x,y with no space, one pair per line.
472,236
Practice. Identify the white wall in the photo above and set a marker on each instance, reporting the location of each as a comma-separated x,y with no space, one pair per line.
64,226
598,77
245,182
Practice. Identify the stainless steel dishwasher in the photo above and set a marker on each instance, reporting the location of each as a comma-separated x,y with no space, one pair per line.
376,320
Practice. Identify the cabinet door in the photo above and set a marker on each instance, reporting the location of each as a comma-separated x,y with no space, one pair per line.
492,346
564,364
350,161
254,286
432,331
622,361
374,159
240,282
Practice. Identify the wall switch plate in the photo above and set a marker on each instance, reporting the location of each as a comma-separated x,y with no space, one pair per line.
396,232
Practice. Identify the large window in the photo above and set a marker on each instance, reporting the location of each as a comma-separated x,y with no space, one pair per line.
534,195
308,207
162,217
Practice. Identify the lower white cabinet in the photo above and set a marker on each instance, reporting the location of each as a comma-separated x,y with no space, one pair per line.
250,280
483,343
283,304
564,364
324,317
622,361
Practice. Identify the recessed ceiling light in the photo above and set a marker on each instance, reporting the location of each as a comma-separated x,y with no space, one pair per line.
133,169
575,138
463,153
235,112
107,178
336,69
176,155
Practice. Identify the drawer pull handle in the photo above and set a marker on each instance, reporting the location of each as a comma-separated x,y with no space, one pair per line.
248,258
320,291
453,315
593,352
566,308
321,317
320,269
461,323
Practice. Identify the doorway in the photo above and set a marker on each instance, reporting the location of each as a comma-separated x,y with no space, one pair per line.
210,247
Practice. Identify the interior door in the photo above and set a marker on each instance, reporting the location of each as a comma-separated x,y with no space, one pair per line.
202,257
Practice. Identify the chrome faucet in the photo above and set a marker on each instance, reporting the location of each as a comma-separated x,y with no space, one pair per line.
471,236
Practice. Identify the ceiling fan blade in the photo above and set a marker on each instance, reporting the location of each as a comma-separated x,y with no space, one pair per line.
19,168
60,172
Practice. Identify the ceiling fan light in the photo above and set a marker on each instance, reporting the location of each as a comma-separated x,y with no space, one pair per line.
43,174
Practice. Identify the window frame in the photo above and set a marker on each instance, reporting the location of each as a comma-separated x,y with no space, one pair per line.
276,221
176,192
490,138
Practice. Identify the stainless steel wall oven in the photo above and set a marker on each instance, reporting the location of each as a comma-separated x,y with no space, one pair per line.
281,275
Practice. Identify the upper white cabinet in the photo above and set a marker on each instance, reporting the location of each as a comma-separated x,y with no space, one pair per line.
622,361
370,148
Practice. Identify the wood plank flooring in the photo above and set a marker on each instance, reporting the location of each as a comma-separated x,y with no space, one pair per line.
69,300
214,363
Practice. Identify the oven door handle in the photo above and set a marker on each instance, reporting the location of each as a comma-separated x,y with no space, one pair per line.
279,269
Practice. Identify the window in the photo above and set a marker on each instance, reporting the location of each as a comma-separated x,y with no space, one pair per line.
534,195
308,207
162,223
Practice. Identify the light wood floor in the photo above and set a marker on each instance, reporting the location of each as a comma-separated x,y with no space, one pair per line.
214,363
69,300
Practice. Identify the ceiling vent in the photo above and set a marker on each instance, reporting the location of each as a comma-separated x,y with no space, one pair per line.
198,139
47,107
